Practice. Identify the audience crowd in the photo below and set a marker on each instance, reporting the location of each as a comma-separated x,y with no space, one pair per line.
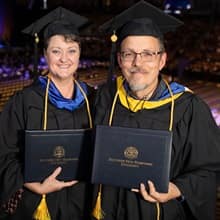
193,49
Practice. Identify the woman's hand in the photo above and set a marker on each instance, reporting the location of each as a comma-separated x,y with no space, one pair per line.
154,196
50,184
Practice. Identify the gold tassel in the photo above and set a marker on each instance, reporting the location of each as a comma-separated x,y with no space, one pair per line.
42,212
98,213
114,37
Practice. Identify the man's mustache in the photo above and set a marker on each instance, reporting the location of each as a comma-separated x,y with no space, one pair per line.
137,70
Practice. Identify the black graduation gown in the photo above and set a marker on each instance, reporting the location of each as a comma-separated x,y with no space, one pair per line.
25,111
195,155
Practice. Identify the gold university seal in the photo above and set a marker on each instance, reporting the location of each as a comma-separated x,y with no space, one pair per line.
59,152
131,152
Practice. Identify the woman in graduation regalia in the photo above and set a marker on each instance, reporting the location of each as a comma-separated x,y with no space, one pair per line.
55,101
140,98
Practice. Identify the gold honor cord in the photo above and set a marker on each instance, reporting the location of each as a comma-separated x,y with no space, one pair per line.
46,103
170,124
172,105
87,104
42,212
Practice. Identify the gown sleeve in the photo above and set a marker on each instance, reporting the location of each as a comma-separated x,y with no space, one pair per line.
11,147
200,159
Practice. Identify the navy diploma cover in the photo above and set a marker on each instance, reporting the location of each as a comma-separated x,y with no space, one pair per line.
46,150
126,157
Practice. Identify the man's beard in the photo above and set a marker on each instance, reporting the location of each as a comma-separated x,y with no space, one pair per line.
137,87
134,85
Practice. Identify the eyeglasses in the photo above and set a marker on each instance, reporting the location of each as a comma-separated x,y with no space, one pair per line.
147,56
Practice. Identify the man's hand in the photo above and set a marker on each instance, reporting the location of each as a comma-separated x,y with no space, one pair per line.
154,196
50,184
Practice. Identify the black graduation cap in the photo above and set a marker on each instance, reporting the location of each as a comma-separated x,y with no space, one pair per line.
58,21
140,19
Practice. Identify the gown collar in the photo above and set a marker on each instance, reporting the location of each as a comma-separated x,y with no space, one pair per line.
61,102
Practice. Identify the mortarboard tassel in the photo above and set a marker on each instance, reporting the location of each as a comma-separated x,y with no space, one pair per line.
42,212
98,213
36,42
114,38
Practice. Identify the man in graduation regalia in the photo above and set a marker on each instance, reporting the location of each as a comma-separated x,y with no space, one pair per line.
141,98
